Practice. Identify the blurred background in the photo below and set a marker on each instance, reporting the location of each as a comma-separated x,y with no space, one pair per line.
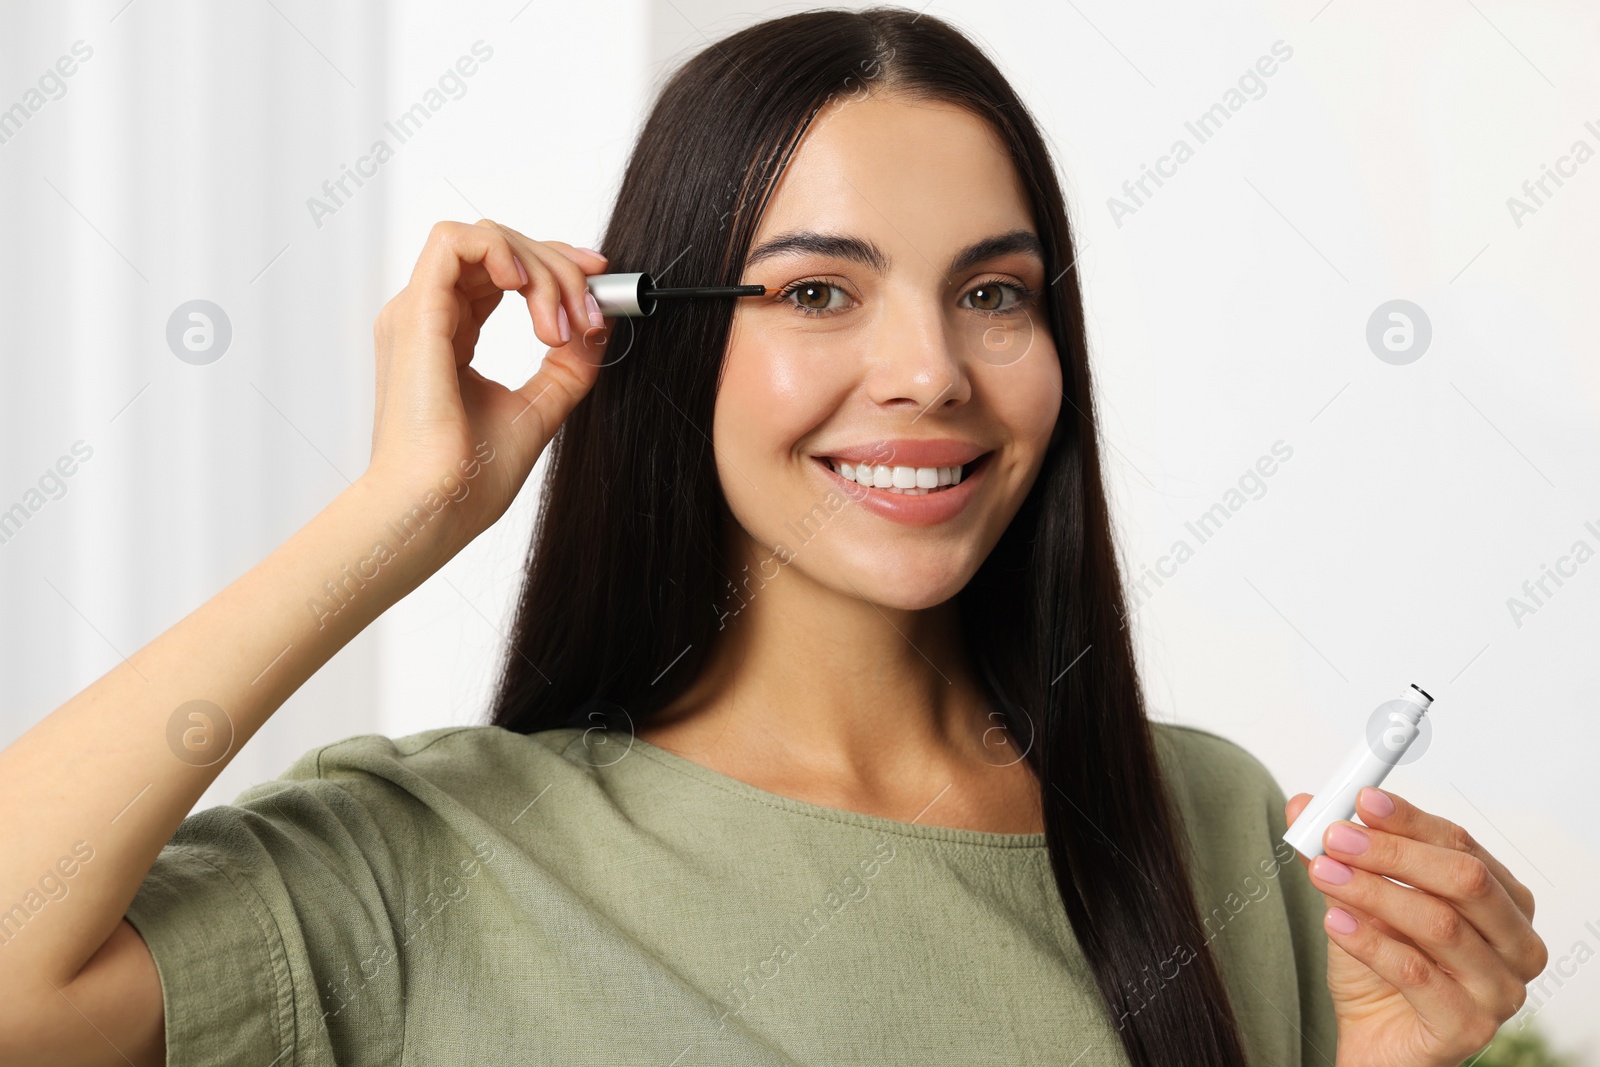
1353,244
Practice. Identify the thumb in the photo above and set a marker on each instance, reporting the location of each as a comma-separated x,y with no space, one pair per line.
1291,812
565,376
1295,806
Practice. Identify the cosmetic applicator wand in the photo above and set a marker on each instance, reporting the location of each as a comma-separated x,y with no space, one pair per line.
634,295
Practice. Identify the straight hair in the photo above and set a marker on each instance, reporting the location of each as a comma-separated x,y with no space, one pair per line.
624,583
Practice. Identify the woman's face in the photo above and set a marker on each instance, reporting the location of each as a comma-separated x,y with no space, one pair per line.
907,344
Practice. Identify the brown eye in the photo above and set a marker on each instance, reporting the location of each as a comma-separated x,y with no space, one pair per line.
816,298
988,298
991,297
813,296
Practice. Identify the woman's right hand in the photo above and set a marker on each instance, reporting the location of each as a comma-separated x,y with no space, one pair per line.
438,424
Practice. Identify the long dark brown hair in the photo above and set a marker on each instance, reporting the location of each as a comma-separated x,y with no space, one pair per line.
625,584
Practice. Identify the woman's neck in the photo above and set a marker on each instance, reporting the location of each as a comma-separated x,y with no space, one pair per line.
824,697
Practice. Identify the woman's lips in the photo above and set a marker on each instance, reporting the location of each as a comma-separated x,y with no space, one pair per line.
911,509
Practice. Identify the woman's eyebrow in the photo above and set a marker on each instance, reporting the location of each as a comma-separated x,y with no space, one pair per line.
1025,242
843,246
833,246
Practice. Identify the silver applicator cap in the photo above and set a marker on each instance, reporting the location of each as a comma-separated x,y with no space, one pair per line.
634,296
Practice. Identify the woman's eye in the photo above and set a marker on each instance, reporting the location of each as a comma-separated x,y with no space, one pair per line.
817,296
991,296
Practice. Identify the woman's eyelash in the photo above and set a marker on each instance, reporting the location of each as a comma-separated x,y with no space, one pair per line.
1024,295
794,287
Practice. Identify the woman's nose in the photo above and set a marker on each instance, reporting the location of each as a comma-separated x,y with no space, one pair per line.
920,358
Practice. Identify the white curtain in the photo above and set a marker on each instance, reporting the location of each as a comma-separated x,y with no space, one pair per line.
184,158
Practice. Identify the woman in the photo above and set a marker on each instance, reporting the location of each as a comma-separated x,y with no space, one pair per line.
788,765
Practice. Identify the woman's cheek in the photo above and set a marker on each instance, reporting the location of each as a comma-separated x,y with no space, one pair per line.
1046,401
1026,396
764,404
774,391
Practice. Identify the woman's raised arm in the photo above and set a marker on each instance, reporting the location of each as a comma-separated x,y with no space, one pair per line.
92,792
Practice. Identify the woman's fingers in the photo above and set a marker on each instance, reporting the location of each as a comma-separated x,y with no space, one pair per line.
433,411
474,314
463,272
584,257
1402,817
1456,875
426,336
572,267
564,377
560,290
1292,810
1296,805
459,265
540,289
1431,912
471,257
1430,924
1442,1003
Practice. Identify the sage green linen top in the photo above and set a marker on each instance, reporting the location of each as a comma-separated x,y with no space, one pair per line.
469,895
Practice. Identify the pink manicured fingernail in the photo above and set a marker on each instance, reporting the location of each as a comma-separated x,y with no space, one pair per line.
1377,802
522,272
1331,870
1342,837
591,251
595,318
561,320
1341,920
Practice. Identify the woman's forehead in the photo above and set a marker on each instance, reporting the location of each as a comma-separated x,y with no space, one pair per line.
912,177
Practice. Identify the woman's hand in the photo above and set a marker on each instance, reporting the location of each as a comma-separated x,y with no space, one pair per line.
449,451
1424,976
445,438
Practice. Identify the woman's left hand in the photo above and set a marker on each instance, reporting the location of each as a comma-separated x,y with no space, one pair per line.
1424,976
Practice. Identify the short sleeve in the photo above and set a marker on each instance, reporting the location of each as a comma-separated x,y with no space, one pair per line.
272,924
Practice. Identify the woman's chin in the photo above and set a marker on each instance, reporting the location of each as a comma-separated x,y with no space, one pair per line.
898,584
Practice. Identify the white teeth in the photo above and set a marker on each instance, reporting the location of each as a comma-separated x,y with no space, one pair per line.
913,480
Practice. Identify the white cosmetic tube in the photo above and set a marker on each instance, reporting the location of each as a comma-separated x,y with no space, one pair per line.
1367,765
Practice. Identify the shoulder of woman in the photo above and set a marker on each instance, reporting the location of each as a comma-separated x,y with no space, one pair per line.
457,759
1209,773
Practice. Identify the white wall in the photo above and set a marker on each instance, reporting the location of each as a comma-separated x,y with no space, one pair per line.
540,147
1228,312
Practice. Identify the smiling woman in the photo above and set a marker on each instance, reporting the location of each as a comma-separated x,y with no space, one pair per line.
923,334
904,806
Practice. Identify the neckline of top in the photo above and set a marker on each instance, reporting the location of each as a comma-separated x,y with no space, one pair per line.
744,790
